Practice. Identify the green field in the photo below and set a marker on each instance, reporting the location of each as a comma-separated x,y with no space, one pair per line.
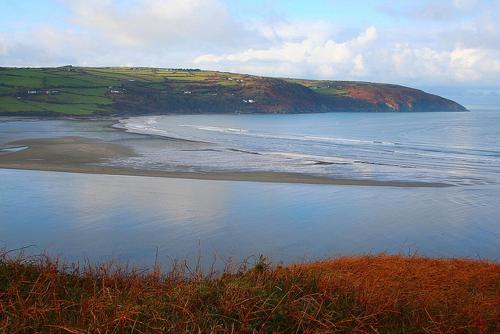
73,92
84,91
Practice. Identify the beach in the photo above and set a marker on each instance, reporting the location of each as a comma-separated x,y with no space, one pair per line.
83,155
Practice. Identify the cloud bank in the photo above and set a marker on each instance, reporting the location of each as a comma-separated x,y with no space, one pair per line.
424,43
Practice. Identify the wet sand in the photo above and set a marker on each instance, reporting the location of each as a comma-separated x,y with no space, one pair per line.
84,155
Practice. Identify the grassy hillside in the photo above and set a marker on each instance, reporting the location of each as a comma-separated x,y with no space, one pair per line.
369,294
133,91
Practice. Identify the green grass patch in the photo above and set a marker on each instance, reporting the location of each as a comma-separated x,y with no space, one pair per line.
6,90
73,98
94,91
69,109
12,104
20,80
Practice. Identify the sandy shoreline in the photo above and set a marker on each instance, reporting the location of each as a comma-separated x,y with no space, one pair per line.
82,155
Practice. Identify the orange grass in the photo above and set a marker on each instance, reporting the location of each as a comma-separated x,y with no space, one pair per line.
362,294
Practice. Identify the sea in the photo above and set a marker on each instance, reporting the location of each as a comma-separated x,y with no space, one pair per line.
145,220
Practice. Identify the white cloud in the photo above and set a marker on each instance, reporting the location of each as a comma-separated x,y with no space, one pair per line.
474,64
148,23
462,48
456,65
140,32
323,57
371,55
294,30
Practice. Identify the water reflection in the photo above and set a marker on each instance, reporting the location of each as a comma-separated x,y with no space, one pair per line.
101,217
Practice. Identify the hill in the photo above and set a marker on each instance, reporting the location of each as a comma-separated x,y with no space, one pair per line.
120,91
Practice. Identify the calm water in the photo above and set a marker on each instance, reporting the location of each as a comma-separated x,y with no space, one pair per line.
100,217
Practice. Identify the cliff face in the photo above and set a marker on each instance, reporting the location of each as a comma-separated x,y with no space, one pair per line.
139,91
398,98
367,96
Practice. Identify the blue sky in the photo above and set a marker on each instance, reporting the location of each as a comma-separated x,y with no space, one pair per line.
43,11
452,43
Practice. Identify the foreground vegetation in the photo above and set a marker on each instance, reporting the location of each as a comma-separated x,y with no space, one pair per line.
366,294
125,91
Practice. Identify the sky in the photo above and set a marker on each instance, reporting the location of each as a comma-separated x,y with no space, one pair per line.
450,46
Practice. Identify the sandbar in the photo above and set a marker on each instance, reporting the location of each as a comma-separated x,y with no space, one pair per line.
75,154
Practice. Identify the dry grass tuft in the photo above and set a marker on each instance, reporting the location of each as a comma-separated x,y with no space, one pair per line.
365,294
